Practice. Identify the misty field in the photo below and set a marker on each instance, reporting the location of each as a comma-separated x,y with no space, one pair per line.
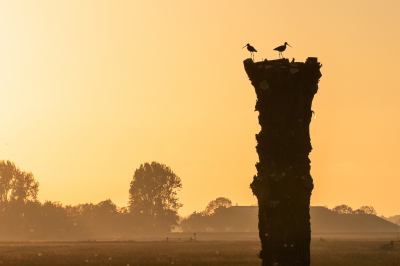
331,252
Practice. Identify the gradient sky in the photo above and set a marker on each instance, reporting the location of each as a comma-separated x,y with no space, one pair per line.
89,90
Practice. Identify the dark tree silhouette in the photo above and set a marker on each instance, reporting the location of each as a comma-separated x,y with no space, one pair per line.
366,210
153,197
217,205
207,220
102,220
17,188
343,209
106,218
16,185
195,222
44,221
283,183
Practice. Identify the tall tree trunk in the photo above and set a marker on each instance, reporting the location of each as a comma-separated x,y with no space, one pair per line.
283,183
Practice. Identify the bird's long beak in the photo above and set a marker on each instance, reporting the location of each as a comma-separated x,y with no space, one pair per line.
289,45
244,46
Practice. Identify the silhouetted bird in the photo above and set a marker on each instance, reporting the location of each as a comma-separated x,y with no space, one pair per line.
250,49
281,49
292,60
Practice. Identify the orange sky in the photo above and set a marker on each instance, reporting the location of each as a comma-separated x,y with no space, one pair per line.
89,90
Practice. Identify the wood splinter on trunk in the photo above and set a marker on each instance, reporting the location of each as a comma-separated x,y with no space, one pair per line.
283,183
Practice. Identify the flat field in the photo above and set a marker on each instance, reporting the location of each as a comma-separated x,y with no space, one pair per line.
331,252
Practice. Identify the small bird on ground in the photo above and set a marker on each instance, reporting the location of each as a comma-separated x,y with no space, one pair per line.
281,49
250,49
292,60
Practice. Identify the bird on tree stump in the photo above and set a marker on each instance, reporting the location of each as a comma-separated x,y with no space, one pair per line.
251,50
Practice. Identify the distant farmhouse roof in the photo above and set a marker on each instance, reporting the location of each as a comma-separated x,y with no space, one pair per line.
325,220
322,220
251,211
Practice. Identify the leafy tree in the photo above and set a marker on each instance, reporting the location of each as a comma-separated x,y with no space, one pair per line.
209,219
47,220
217,205
100,220
81,220
153,197
16,185
343,209
106,218
366,210
106,207
17,189
195,222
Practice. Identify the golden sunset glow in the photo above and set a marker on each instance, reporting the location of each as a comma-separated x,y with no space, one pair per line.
89,90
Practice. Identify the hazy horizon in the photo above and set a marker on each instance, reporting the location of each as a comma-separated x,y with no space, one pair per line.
90,90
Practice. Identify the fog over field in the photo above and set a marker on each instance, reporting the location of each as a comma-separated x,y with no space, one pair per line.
330,253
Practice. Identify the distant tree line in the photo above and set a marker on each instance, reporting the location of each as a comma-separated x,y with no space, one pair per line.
152,208
345,209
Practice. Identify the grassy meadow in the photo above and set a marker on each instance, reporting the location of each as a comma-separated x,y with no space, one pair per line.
332,252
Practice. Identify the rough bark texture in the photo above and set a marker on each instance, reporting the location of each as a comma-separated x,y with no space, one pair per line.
283,183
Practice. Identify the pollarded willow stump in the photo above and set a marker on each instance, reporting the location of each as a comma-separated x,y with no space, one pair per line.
283,183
